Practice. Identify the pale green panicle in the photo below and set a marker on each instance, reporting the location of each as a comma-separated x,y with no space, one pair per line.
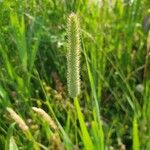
73,56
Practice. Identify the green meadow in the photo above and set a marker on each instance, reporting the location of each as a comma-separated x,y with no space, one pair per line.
74,75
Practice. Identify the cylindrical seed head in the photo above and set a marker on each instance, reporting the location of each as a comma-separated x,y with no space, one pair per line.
73,56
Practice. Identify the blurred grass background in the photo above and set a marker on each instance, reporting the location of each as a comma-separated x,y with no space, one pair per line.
115,74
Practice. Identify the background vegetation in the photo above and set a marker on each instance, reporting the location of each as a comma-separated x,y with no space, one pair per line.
113,109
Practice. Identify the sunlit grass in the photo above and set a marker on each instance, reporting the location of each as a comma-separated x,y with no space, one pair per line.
112,110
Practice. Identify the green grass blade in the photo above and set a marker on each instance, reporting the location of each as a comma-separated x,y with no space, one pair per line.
98,133
86,137
136,142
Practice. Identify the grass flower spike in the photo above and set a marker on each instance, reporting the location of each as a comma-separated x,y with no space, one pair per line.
17,119
46,117
73,56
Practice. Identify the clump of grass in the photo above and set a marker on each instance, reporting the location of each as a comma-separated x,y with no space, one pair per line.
115,60
73,56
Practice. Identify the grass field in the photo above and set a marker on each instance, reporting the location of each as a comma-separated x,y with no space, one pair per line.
74,84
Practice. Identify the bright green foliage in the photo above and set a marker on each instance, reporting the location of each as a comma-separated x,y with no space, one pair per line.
73,55
111,73
19,34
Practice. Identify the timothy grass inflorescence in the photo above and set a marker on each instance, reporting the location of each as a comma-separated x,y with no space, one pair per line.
46,117
73,56
17,119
